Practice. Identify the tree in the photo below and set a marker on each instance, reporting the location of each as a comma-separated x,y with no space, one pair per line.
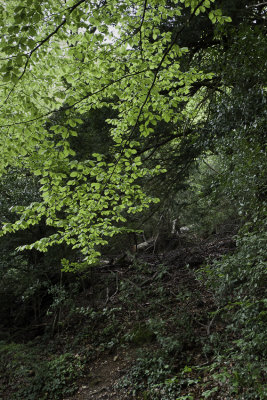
137,59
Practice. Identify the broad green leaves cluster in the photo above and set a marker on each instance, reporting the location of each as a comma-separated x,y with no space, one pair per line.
71,57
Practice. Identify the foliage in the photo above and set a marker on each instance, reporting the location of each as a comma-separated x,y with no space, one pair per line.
238,281
204,206
107,109
146,373
92,56
30,375
26,279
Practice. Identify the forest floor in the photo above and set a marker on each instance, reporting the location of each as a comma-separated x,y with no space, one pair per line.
103,376
138,321
164,288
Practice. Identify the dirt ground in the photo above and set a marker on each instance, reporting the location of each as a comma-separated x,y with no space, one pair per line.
103,375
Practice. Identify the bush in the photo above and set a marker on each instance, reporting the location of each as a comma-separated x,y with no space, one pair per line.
238,280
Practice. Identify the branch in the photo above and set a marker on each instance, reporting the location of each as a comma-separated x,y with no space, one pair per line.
140,28
156,146
258,5
208,165
77,102
106,86
166,52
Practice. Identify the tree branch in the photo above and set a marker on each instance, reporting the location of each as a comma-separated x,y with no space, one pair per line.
140,28
258,5
77,102
166,52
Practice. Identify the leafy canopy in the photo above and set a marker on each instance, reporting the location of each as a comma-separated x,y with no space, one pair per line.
75,56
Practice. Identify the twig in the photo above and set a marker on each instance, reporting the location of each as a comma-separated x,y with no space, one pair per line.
98,391
73,105
140,28
149,279
258,5
212,320
217,172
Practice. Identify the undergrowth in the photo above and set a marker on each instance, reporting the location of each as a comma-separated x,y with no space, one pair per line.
28,374
198,334
230,359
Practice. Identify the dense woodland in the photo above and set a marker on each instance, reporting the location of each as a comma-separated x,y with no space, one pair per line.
133,199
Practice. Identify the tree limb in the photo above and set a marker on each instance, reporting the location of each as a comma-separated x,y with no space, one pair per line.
258,5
